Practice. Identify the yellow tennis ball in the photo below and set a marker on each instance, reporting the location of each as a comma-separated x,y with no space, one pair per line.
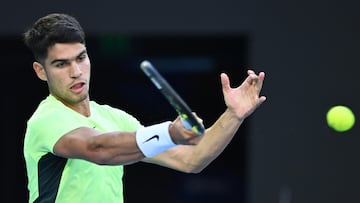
340,118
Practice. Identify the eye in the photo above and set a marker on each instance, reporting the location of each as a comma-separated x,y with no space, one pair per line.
82,57
60,64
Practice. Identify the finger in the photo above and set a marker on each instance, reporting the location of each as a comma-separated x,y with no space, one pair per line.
250,72
252,78
257,79
261,75
198,118
261,100
225,82
261,78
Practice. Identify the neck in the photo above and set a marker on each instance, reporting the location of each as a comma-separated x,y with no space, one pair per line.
82,106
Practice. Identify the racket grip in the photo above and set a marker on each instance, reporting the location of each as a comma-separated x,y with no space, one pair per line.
186,124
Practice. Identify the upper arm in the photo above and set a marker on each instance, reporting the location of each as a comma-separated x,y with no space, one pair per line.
113,148
75,144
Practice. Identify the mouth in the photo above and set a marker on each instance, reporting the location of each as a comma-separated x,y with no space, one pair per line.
77,87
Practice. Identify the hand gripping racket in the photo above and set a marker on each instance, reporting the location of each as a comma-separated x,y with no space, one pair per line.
187,117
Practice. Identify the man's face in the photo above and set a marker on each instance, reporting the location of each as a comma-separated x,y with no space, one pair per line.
67,72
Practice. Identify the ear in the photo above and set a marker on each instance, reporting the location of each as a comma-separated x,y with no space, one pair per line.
40,71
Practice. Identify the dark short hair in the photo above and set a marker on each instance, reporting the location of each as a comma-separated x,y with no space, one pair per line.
51,29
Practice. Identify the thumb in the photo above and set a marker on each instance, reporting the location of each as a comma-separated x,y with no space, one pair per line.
225,82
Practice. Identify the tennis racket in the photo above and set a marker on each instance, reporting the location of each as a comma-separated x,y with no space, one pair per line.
187,117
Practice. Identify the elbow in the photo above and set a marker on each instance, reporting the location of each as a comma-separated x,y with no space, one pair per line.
102,156
96,155
197,170
102,159
196,163
98,158
194,169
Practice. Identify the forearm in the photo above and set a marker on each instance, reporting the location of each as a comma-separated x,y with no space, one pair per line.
215,139
194,158
115,148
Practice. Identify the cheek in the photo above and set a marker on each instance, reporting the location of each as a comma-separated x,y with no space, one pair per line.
55,79
86,67
53,83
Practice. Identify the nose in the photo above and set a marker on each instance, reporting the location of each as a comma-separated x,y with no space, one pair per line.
75,70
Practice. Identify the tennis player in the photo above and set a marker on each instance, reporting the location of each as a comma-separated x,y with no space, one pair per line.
75,148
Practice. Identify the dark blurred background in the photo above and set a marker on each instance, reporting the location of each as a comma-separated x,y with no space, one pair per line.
284,152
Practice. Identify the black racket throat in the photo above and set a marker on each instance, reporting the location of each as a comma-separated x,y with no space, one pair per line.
172,97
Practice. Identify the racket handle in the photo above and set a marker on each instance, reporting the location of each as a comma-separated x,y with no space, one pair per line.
186,124
198,129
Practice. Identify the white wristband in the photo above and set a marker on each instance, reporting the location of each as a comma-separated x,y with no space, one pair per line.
154,139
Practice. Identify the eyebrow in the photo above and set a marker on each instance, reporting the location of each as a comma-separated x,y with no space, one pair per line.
65,60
